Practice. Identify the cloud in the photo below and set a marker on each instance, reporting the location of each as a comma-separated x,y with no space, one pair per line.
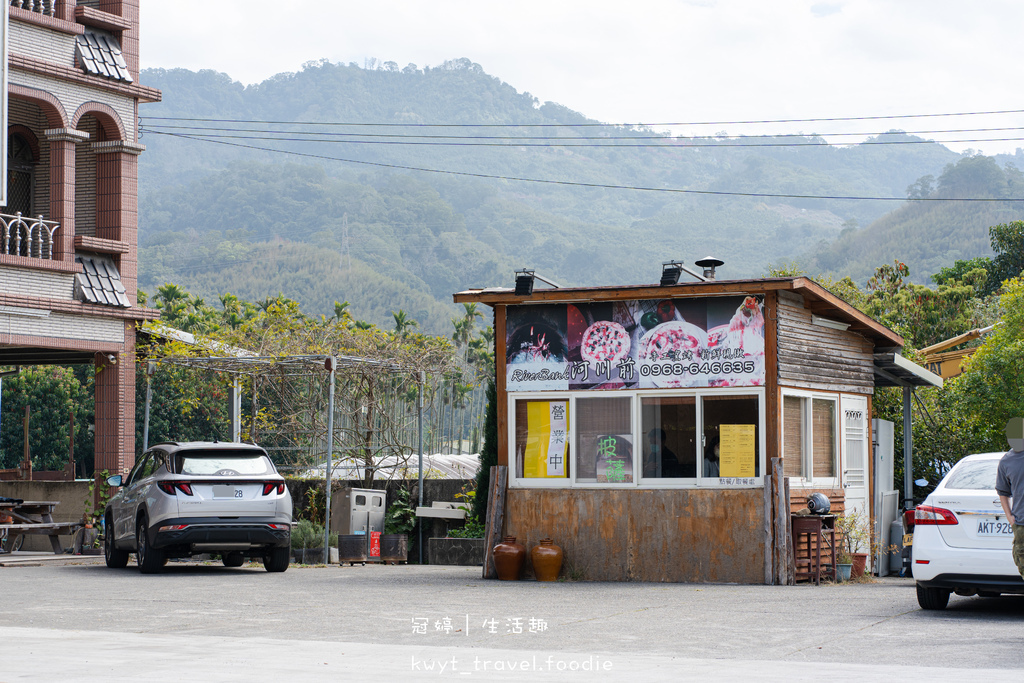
825,9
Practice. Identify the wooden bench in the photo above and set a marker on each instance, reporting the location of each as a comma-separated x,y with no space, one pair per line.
33,517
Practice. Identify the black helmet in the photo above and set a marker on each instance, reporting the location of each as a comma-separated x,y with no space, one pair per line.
818,504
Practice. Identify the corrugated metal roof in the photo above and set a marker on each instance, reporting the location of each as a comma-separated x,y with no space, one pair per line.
437,466
100,55
100,282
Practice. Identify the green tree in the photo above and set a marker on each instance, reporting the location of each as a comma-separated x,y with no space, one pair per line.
991,389
1008,244
53,394
488,454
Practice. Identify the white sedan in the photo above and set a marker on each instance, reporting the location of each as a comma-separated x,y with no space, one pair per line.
962,539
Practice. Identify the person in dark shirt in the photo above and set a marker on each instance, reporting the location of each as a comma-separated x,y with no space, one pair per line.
671,466
1010,486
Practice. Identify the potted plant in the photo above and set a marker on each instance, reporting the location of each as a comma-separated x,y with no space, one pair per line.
307,543
399,521
89,539
854,539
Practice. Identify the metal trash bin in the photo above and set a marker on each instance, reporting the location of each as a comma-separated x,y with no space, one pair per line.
361,511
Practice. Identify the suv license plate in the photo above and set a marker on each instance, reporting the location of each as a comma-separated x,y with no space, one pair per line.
995,529
227,491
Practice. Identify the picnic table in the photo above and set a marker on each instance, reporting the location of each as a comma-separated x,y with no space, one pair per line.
33,517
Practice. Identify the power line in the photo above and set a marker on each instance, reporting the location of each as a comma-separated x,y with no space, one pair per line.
671,143
595,124
666,138
570,183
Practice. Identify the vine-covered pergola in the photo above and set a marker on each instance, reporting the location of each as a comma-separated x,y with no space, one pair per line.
365,412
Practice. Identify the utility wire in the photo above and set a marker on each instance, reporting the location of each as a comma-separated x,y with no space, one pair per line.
672,143
595,124
665,138
570,183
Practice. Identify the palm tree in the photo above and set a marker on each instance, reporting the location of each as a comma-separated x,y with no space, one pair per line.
403,323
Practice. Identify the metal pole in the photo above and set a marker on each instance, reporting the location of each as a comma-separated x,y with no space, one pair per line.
149,399
330,461
235,404
908,448
419,431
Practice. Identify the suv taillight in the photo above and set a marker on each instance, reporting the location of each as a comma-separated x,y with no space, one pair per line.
926,514
168,487
269,486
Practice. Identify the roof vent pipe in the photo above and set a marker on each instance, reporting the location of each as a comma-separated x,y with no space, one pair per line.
709,263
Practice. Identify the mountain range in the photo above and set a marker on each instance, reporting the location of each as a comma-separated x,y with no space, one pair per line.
393,188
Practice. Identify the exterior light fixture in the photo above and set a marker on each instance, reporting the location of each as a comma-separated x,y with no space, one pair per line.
670,272
709,263
524,282
828,322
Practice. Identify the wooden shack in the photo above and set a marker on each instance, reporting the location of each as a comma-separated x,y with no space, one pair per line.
638,424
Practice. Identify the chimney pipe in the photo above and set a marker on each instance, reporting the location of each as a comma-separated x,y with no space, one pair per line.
709,263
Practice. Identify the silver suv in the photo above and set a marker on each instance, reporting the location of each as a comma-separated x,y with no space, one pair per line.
182,499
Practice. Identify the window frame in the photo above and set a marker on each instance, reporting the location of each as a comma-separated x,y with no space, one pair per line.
808,480
639,481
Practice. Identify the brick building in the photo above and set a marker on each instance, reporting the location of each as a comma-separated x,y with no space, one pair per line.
68,249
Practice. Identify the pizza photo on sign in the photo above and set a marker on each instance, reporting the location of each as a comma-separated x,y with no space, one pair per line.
605,341
669,344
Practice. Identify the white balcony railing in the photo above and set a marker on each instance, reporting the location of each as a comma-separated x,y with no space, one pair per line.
39,6
31,237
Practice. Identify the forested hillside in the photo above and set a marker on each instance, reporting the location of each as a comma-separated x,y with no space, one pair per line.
930,235
219,217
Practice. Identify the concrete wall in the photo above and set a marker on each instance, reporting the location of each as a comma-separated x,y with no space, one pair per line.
72,496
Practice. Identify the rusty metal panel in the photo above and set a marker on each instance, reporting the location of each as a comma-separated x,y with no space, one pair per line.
673,535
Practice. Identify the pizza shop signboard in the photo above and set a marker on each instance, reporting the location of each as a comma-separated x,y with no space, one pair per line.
654,343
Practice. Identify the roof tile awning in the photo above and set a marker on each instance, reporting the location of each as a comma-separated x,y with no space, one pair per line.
100,282
100,55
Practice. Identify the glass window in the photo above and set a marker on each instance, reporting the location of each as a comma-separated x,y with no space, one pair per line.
136,473
810,437
732,434
224,462
669,436
976,475
823,420
542,439
793,436
360,499
604,440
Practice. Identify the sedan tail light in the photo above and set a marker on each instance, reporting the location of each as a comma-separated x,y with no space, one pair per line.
927,514
169,487
269,486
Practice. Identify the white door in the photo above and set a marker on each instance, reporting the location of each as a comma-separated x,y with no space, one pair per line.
856,445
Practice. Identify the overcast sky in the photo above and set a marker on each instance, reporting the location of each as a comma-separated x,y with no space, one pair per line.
650,61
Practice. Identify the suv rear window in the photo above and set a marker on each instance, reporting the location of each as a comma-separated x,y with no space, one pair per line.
211,462
977,475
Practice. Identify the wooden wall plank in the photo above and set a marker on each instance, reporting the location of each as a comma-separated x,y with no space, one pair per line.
500,313
672,535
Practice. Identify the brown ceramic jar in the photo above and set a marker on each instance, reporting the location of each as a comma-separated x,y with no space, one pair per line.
508,558
547,560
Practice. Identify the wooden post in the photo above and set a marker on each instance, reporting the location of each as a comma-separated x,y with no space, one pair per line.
769,538
26,461
790,555
495,518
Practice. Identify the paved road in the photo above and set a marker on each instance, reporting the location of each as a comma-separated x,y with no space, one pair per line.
86,622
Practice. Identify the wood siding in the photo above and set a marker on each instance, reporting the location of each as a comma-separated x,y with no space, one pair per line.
815,357
670,535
